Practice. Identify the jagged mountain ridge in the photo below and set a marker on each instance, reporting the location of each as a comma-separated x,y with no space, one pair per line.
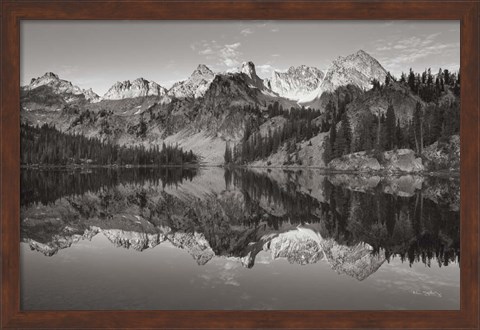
356,70
300,83
195,86
202,124
138,88
209,109
60,86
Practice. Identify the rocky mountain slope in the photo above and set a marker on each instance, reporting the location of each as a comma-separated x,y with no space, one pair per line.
137,88
58,86
358,70
213,113
298,83
195,86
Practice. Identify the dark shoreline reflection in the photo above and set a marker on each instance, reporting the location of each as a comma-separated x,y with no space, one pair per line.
48,185
354,223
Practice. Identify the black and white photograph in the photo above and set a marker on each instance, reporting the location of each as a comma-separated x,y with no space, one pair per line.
240,165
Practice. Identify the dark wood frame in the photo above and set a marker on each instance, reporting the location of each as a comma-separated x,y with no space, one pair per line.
467,12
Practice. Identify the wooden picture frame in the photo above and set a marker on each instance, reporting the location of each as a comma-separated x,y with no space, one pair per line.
12,12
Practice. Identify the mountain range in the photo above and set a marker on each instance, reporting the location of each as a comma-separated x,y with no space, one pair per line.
208,111
302,83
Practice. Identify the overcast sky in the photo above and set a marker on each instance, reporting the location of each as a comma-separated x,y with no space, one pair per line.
98,53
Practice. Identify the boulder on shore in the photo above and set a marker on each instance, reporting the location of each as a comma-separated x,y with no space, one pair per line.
401,160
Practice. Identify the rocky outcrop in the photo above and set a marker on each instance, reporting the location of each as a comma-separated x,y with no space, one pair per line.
443,155
394,161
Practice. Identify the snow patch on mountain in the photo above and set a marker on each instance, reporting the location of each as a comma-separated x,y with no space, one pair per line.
300,83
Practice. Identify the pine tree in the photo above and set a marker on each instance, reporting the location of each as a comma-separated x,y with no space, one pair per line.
390,128
340,143
399,135
388,78
327,151
418,127
365,134
411,80
228,154
333,137
429,77
347,131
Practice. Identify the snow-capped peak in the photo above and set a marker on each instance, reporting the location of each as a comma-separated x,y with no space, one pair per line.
196,85
357,69
298,83
137,88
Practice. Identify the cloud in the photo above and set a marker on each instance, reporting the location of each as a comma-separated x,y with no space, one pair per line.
66,70
265,68
227,55
245,32
206,51
253,27
400,54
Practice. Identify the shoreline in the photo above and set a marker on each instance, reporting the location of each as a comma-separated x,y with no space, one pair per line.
454,173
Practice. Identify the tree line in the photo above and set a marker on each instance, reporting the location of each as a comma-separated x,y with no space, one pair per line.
300,125
431,121
45,145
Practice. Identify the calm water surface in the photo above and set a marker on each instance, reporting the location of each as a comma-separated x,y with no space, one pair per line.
237,239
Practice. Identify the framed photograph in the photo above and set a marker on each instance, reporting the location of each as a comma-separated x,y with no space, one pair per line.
218,164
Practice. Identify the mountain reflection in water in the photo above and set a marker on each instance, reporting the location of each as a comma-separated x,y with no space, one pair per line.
352,223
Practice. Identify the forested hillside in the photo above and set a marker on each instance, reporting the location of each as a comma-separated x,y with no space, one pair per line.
46,145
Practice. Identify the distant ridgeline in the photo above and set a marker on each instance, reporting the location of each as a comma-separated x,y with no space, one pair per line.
46,145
